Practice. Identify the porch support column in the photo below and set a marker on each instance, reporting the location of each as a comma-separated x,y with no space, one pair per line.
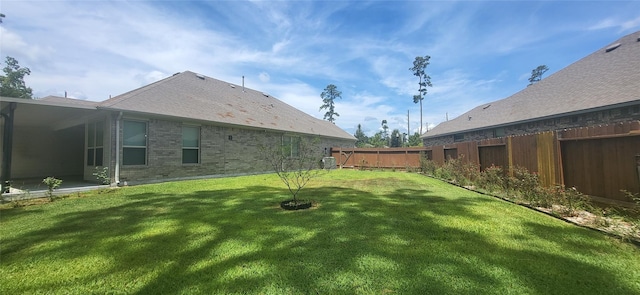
7,145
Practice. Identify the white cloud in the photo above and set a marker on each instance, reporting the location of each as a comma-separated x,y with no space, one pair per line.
264,77
293,49
620,24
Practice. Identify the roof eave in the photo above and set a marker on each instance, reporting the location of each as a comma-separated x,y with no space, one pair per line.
555,116
48,103
219,123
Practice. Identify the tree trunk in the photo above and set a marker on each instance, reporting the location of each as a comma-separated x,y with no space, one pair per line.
420,115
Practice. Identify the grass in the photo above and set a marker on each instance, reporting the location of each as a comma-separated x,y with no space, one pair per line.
371,233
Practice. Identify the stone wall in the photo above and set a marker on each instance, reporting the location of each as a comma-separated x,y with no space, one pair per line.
223,151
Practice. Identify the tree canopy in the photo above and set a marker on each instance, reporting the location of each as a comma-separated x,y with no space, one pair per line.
12,82
328,96
419,70
536,74
361,138
382,138
414,140
396,138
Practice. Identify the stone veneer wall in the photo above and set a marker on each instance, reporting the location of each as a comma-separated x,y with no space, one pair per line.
223,151
574,121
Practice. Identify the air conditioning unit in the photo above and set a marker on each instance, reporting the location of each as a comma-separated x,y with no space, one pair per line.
328,163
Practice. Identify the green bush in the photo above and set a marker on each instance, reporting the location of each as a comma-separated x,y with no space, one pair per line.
52,183
525,186
102,175
571,200
427,166
492,179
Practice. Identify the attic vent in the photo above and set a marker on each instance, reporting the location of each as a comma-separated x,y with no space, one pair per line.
232,86
638,39
265,94
612,47
201,77
486,107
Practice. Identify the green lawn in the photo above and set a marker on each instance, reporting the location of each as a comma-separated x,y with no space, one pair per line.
371,233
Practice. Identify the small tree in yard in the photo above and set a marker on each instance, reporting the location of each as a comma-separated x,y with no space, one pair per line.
52,183
295,161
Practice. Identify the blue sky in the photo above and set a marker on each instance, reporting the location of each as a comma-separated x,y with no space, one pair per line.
480,50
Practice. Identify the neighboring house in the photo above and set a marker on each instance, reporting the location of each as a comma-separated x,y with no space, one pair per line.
578,127
185,126
601,88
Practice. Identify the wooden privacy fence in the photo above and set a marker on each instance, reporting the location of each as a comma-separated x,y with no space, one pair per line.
394,158
599,161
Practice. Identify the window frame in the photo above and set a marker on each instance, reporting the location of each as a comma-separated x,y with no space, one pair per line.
287,145
144,147
191,148
92,146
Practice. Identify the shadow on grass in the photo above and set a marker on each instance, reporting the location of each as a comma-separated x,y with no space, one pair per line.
238,240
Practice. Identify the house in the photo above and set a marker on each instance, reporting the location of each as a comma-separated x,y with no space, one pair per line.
182,127
578,127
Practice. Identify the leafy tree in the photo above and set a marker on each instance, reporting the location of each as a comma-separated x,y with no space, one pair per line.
328,96
414,140
12,82
419,70
536,74
296,161
378,140
360,136
385,131
396,138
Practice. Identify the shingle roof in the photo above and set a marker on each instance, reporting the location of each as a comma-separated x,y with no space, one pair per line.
69,101
197,97
601,79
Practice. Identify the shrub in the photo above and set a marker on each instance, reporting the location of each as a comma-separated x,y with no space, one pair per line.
102,175
492,179
634,197
524,185
571,200
51,183
462,172
427,166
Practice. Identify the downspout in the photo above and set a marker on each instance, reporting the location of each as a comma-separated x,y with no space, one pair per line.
7,147
117,168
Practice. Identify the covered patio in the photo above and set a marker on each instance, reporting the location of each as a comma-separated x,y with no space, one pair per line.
41,138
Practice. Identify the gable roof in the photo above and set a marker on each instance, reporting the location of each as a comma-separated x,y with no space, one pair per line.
607,78
193,96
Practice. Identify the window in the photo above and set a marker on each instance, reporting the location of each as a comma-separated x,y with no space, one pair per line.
458,137
291,145
190,145
498,132
95,145
134,143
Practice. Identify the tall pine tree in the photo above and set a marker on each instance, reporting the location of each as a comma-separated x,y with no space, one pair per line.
328,96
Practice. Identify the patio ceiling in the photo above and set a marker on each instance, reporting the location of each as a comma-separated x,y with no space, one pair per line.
34,113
